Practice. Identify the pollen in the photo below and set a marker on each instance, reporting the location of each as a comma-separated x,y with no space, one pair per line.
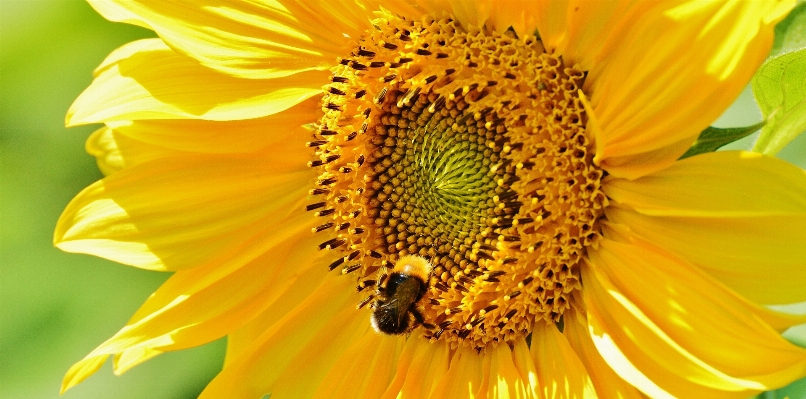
468,148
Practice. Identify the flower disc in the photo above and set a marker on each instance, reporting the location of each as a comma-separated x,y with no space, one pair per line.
467,148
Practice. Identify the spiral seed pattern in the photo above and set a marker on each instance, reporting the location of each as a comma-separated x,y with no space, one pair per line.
466,147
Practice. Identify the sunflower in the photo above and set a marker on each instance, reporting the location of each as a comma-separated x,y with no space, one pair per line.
496,185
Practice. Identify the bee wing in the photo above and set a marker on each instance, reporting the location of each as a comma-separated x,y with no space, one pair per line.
390,312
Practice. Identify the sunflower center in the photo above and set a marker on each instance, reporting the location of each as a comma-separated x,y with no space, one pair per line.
466,148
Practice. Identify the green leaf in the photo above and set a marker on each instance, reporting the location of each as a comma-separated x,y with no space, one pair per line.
790,34
780,90
713,137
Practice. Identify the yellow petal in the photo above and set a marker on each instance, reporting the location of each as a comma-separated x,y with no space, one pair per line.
505,379
179,212
250,135
202,304
737,215
470,13
497,372
592,29
519,14
81,370
310,338
507,375
686,334
325,19
525,365
725,184
673,71
364,370
559,371
552,25
608,384
114,151
419,367
495,14
486,361
464,376
154,82
644,163
126,143
778,320
303,284
128,358
246,39
411,9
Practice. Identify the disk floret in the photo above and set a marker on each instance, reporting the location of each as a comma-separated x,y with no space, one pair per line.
467,148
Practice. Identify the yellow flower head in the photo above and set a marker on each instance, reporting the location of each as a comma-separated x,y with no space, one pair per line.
444,198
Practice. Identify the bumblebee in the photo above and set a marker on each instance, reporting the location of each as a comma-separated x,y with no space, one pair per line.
395,309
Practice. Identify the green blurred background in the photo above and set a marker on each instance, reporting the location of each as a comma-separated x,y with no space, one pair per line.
56,307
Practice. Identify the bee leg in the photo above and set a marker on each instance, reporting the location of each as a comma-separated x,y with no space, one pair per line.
420,319
379,286
365,301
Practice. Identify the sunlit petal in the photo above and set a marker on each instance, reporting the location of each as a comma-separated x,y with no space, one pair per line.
367,378
687,334
675,68
311,336
248,39
148,80
559,370
737,215
419,367
464,376
141,216
608,384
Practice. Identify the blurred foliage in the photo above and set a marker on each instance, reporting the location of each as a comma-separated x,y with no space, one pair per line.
57,307
790,34
780,90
